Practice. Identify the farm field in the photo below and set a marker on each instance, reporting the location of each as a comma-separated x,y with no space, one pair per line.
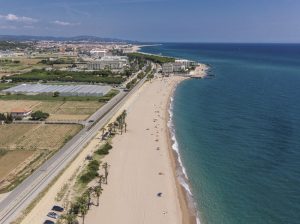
11,160
36,136
24,147
58,110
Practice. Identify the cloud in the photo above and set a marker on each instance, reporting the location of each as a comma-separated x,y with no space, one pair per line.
14,18
7,27
64,23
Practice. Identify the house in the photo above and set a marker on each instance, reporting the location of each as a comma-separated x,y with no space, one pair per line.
18,113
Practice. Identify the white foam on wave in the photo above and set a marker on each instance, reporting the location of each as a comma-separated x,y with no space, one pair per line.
182,177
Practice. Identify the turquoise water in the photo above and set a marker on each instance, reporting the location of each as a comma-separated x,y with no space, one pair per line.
238,134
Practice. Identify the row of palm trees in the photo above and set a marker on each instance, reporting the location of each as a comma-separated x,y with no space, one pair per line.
120,123
83,203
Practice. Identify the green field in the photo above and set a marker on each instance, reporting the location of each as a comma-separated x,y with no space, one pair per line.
104,76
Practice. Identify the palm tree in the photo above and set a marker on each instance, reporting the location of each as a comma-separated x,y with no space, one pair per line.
101,179
98,191
87,195
103,130
83,206
105,167
125,124
110,127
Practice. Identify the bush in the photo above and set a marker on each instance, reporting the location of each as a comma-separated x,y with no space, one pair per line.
104,150
91,172
39,116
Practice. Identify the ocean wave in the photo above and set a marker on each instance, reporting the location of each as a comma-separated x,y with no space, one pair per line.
182,175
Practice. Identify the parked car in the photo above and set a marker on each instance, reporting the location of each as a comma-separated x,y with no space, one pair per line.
49,222
53,215
57,208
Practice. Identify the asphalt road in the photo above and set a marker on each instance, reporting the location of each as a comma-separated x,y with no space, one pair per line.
12,206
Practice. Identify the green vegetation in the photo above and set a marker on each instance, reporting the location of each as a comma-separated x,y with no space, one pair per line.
103,76
58,61
39,116
43,97
153,58
91,172
6,85
104,150
3,152
131,84
6,117
9,61
109,95
11,45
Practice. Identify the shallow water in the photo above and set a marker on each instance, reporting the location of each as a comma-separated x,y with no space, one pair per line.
238,134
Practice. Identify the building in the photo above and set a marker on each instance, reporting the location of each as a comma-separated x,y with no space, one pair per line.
98,53
178,67
186,63
108,62
167,68
19,113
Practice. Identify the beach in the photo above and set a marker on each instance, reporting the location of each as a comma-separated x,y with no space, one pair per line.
143,186
142,165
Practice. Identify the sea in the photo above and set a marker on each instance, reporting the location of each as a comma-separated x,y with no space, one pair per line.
238,131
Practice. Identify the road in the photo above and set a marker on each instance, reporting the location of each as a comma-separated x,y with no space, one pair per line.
12,206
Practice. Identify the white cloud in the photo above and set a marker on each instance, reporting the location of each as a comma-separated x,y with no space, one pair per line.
14,18
64,23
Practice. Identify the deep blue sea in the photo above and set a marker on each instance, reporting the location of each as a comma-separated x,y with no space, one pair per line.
239,133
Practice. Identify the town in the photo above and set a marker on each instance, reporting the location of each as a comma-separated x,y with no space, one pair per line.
56,92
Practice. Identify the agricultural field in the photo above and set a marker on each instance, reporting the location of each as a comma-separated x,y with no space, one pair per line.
19,65
58,110
36,136
24,147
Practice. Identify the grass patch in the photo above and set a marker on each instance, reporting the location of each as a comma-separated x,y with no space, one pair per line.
60,195
6,85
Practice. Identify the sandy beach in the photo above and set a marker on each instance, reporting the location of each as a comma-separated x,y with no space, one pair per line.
142,165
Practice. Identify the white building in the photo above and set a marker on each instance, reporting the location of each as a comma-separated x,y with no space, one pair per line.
186,63
98,53
167,68
20,113
108,62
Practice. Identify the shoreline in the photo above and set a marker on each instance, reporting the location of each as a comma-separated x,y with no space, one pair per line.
187,204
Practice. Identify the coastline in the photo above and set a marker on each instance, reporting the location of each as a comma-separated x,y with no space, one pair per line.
142,164
187,204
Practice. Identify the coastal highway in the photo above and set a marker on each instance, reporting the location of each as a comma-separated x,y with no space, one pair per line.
25,193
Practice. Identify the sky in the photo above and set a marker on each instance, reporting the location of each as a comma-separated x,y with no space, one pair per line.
156,20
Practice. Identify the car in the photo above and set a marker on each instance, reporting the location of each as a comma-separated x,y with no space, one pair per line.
57,208
53,215
49,222
90,121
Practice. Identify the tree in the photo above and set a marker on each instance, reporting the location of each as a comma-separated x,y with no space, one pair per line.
83,207
101,180
39,116
87,195
105,167
98,191
56,94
